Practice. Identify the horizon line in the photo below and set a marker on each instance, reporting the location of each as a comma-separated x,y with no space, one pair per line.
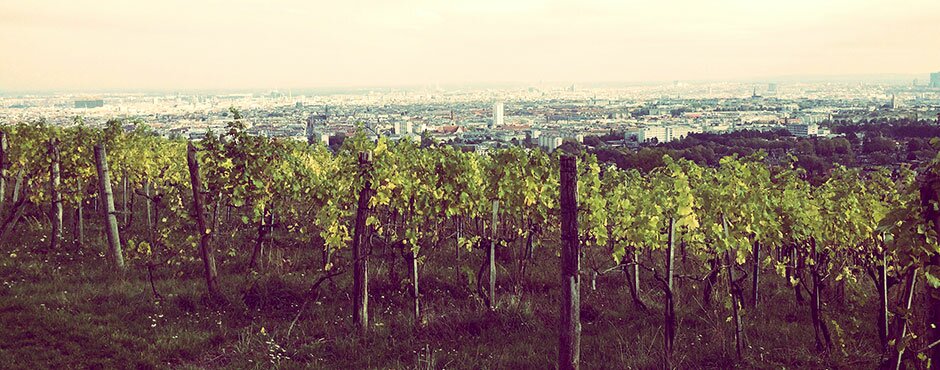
883,78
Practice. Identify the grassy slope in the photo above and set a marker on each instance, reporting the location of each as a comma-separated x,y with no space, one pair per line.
66,309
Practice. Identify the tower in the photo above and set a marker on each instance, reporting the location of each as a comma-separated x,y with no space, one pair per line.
315,123
497,114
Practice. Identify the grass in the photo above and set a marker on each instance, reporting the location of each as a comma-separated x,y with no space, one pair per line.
68,309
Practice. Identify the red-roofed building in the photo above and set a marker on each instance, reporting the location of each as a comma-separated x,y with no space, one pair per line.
451,129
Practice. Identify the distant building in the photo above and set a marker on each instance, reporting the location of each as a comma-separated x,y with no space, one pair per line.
402,128
550,142
451,130
660,111
314,123
497,115
935,80
803,129
662,134
816,118
631,135
321,137
316,120
89,103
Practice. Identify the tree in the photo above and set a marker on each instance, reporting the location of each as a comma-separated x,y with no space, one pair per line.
593,141
878,144
572,147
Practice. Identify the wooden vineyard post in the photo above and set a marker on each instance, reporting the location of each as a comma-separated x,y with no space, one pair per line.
636,272
17,208
3,168
110,220
17,186
491,255
208,257
80,218
569,338
754,287
735,315
360,259
669,312
929,198
124,197
415,293
151,232
883,298
258,251
911,285
55,180
457,242
456,220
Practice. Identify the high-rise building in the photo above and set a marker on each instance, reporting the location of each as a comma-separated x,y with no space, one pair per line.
935,80
497,115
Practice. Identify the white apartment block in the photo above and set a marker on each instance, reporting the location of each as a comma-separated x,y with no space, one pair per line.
550,142
662,134
803,129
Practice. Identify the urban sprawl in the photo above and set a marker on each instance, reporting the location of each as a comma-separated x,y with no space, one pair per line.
479,119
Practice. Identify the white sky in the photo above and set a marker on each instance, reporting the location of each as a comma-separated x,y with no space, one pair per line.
182,44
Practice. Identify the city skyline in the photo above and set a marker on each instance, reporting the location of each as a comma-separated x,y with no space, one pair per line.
177,45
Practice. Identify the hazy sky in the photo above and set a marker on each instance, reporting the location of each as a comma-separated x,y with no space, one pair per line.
184,44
